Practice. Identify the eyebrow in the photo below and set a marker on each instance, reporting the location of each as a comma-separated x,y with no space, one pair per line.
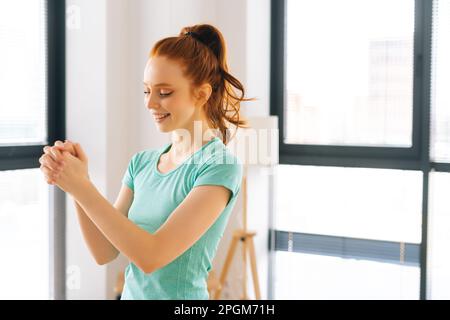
159,84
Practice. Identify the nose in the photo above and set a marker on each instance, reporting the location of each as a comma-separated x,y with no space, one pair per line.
150,102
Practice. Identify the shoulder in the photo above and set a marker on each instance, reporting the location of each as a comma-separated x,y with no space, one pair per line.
220,167
217,154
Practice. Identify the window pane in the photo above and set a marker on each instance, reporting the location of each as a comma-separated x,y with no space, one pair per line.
24,235
377,204
440,95
306,276
439,236
23,76
349,72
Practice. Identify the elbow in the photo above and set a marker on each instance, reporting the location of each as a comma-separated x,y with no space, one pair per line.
147,270
149,259
147,267
101,261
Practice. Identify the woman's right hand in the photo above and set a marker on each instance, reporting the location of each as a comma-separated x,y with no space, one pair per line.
52,159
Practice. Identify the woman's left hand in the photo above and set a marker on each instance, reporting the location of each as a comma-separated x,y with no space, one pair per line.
74,171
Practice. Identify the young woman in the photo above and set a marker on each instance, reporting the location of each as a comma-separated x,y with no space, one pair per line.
175,201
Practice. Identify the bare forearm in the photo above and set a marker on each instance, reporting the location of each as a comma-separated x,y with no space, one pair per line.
100,247
134,242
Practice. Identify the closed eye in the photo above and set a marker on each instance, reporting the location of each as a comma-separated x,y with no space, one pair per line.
161,94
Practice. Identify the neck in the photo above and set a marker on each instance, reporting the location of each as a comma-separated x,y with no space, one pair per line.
187,141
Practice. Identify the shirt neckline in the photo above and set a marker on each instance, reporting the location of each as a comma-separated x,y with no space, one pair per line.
164,150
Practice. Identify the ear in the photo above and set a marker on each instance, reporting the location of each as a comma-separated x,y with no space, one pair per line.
203,93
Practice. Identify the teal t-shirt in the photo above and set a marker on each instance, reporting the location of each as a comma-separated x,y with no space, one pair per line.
158,194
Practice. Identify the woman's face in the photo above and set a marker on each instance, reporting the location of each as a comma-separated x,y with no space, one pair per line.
168,95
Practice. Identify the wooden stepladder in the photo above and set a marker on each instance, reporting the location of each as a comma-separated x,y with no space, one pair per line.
248,251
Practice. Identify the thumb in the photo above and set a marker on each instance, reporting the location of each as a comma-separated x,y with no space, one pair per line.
80,152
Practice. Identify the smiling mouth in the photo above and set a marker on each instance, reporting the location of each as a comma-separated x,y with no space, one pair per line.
160,118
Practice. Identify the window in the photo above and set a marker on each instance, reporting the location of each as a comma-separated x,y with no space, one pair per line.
323,277
31,114
24,71
440,130
349,85
439,236
24,235
346,232
439,242
359,197
378,204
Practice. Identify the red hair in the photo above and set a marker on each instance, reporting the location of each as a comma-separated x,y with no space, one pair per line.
201,51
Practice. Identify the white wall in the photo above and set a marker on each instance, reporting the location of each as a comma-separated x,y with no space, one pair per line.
86,123
105,111
120,113
258,85
99,116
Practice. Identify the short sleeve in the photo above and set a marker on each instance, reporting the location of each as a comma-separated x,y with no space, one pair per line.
221,173
128,178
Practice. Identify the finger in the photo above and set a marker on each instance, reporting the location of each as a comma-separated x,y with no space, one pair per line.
59,146
48,161
56,154
49,176
80,152
48,150
66,146
49,180
69,146
48,172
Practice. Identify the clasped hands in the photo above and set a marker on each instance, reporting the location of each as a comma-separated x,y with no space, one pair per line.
65,165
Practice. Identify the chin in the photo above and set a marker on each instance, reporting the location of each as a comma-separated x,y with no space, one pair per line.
164,129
